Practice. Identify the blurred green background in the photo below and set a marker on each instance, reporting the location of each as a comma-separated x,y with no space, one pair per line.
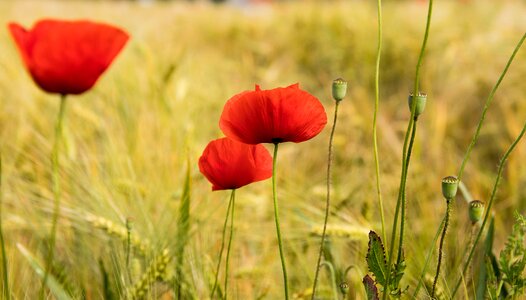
128,140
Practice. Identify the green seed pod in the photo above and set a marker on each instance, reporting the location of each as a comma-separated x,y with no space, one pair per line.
421,100
344,288
476,210
339,89
449,187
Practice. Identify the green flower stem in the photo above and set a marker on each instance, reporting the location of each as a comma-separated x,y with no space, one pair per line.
230,241
128,243
7,294
404,153
441,247
488,208
376,104
327,204
428,259
222,244
486,106
57,192
402,217
333,278
276,218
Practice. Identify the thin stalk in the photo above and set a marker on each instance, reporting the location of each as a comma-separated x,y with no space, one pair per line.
5,276
276,218
57,191
486,106
230,241
441,247
428,258
376,104
222,245
333,279
404,153
402,217
327,204
488,209
128,243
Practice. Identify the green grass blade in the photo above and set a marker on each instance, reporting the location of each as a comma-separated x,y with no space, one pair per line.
488,245
183,227
54,286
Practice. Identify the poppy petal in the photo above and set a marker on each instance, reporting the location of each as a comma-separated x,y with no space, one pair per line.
67,57
229,164
272,116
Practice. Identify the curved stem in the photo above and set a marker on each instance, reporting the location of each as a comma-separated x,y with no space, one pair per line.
486,106
441,247
428,258
376,104
404,153
230,241
488,209
276,218
57,192
333,278
222,245
327,204
7,294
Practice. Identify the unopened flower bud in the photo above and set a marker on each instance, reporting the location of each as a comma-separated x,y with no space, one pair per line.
476,210
344,288
421,100
339,89
449,187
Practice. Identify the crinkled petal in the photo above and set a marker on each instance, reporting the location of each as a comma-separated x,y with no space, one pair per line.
229,164
67,57
272,116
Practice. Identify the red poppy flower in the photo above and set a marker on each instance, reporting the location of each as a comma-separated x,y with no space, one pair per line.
273,116
229,164
67,57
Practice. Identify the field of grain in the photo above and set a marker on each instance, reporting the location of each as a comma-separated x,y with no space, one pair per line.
128,141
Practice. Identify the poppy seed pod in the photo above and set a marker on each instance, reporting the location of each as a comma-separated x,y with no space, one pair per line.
449,187
421,100
476,210
339,89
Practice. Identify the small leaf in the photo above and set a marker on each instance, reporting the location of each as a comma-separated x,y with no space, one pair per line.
54,286
376,258
370,288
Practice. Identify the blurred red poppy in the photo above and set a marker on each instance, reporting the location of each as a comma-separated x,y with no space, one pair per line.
229,164
273,116
67,57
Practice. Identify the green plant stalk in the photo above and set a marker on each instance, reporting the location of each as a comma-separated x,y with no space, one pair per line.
230,241
222,245
57,191
402,217
276,218
488,209
128,244
5,276
333,279
376,104
404,153
183,228
441,247
327,204
486,106
428,259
